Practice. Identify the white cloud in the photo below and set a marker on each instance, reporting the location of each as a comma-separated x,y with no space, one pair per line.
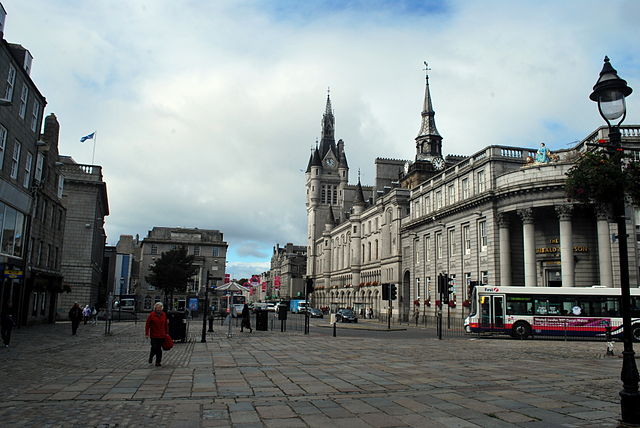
206,111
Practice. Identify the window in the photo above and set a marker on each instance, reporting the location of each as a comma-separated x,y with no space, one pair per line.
466,239
11,80
484,277
35,114
27,170
416,209
23,100
417,255
196,250
215,252
465,188
323,195
3,144
376,246
480,177
334,199
427,245
154,249
438,245
427,204
15,160
482,235
452,242
451,191
60,185
438,199
39,167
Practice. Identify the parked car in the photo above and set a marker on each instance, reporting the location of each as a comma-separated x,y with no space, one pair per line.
346,315
315,313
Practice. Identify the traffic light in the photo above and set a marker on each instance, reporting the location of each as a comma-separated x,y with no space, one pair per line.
385,291
393,292
451,285
309,284
441,281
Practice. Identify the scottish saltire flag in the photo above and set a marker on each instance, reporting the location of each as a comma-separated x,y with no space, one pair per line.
87,137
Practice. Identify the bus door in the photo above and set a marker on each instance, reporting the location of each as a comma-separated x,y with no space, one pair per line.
492,312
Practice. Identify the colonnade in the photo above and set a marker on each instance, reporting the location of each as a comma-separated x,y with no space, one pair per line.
564,214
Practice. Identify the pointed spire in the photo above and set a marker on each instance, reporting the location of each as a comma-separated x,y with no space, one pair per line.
327,141
428,127
428,141
359,200
342,157
332,218
316,161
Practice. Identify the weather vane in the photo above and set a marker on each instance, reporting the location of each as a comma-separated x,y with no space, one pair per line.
426,67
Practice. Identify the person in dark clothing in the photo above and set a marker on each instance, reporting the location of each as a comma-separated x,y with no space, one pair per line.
156,328
7,323
75,315
246,319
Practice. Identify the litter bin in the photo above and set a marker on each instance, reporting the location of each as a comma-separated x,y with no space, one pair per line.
178,326
262,320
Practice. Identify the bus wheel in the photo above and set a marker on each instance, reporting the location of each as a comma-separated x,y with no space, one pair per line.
521,330
635,332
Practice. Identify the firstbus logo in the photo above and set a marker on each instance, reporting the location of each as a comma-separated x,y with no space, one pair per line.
492,289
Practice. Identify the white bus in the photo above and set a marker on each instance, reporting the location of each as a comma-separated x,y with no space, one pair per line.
572,311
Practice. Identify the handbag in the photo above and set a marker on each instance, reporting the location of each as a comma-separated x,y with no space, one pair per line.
167,343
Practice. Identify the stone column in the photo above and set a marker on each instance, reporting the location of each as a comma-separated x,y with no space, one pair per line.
528,233
604,245
505,249
566,245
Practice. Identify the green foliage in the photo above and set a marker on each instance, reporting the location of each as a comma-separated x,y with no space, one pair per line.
599,177
172,271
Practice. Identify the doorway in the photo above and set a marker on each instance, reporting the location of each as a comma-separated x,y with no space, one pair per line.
553,277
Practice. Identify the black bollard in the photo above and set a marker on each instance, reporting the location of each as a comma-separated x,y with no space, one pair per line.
210,325
334,329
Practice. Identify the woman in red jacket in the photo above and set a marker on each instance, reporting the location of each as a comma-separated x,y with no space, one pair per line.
157,328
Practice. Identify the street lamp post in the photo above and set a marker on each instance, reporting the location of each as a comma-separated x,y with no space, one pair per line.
609,92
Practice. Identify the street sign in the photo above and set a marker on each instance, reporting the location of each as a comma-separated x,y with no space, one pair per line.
13,274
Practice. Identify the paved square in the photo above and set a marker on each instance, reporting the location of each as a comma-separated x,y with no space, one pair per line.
290,380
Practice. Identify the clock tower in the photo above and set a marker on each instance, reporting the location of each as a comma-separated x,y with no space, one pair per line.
326,177
428,160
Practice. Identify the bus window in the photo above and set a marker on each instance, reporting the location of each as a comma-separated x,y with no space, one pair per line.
635,307
519,305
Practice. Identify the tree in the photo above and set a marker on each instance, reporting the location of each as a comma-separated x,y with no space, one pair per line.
172,271
604,177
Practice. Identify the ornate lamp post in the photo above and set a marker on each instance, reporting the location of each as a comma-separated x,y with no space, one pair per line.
609,92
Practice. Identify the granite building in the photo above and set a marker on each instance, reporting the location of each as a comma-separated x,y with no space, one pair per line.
497,216
86,202
210,253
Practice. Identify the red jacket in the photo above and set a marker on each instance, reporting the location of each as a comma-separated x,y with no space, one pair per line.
156,325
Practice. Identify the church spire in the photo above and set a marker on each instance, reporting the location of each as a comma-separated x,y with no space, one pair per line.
428,141
328,141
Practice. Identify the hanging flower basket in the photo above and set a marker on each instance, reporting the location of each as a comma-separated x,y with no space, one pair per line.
375,283
416,302
466,303
427,302
452,304
368,284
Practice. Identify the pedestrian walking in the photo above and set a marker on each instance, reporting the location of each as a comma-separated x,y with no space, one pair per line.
156,328
75,315
370,313
86,314
246,319
94,316
6,325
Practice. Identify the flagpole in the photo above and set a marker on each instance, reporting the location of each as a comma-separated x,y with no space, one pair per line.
95,137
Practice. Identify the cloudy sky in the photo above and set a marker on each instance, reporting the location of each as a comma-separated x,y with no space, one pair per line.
206,111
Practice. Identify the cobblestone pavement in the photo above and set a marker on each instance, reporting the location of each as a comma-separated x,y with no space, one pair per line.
52,379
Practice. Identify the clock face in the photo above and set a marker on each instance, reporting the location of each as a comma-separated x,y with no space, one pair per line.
330,162
438,163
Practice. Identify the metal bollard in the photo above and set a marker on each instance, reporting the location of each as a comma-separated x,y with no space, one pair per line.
609,341
334,329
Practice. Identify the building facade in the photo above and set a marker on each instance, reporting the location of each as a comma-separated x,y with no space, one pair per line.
45,229
87,205
210,254
497,216
286,277
21,107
